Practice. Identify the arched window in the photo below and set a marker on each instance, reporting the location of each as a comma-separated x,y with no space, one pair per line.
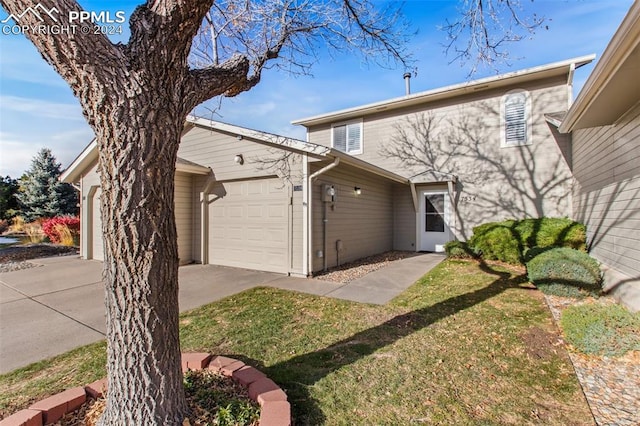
516,118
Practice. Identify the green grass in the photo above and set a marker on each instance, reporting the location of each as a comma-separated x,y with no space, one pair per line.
461,346
601,329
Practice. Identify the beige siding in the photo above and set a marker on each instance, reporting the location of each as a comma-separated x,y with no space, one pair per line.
404,219
184,216
90,231
607,191
297,218
96,240
199,182
217,150
364,223
494,182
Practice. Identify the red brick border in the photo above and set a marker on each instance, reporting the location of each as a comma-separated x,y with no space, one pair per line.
274,407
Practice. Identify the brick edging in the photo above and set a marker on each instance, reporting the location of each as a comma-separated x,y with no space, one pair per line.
275,410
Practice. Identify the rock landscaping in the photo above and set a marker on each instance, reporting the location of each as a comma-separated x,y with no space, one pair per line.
610,384
14,258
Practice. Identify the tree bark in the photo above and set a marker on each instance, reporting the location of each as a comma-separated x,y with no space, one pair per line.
141,268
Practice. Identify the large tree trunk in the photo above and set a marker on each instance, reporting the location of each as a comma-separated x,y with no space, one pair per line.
137,162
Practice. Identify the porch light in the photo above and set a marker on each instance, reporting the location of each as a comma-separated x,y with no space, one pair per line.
357,190
239,159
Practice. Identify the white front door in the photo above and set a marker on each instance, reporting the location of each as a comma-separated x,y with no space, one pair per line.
434,220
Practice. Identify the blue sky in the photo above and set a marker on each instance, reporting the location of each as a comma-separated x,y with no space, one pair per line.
37,109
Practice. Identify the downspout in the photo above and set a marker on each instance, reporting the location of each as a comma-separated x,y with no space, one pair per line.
204,220
309,186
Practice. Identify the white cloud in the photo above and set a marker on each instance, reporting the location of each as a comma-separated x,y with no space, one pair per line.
41,108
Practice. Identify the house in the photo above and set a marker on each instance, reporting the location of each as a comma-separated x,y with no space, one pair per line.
605,126
409,173
480,151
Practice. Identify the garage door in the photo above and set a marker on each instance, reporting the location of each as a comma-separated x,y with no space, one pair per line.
248,225
97,250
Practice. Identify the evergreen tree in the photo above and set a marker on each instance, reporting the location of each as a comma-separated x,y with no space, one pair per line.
8,201
41,193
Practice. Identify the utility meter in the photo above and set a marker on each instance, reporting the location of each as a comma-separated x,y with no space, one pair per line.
328,194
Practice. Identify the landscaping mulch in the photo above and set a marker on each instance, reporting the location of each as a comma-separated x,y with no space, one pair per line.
610,384
350,271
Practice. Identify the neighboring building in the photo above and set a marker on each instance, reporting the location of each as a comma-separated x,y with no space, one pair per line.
478,151
605,126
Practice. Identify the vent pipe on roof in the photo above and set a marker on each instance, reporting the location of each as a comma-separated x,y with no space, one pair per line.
407,83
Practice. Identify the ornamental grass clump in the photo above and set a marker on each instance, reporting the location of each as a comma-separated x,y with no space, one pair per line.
562,271
597,329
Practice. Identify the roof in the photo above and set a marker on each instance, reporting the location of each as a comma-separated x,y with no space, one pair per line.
555,118
447,92
613,86
90,154
283,142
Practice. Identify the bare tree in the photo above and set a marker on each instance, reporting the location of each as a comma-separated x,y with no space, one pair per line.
485,28
136,97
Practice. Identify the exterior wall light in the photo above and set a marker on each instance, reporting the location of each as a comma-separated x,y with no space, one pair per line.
239,159
357,190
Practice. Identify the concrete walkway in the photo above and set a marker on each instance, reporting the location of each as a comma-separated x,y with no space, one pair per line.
58,306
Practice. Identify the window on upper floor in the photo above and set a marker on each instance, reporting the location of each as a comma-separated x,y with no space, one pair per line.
347,137
516,118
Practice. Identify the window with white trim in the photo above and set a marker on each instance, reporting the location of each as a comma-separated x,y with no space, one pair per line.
347,137
516,118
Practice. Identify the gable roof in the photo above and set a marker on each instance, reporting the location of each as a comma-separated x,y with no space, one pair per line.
613,86
90,153
296,145
447,92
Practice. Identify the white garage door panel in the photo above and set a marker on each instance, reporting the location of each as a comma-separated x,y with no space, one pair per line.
248,226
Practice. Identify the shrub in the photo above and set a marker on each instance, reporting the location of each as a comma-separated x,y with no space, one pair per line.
34,232
508,240
4,226
459,250
601,329
563,271
17,224
60,229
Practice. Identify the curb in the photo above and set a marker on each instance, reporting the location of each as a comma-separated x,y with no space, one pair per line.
275,410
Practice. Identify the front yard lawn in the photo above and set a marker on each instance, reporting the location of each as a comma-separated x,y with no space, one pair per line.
469,343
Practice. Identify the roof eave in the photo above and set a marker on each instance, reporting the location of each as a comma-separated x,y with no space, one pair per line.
88,155
622,44
363,165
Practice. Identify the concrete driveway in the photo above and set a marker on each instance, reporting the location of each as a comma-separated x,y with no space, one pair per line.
59,305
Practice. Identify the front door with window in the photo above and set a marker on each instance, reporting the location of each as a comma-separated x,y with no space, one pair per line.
434,220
